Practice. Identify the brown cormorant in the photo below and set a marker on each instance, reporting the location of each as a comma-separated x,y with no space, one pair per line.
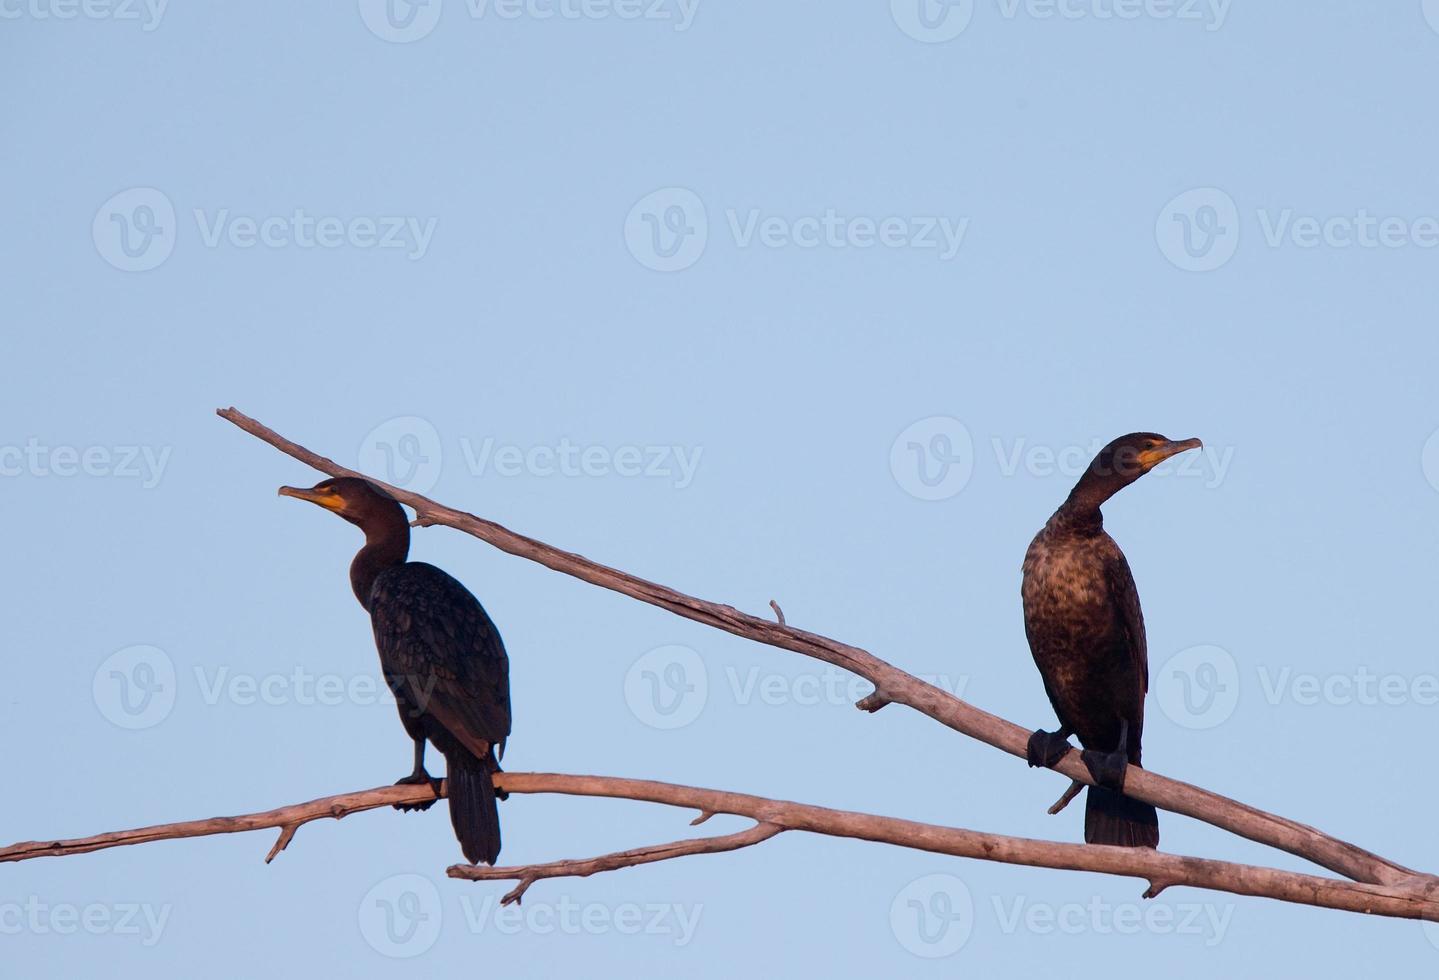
441,656
1086,632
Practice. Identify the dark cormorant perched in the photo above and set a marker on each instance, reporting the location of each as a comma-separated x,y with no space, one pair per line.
1086,631
441,655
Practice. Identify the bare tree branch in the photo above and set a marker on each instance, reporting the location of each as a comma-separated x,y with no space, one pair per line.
892,685
287,819
528,874
1160,871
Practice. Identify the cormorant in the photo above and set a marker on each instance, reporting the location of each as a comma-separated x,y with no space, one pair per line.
1086,632
441,656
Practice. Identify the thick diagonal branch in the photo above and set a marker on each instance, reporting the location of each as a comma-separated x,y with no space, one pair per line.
891,683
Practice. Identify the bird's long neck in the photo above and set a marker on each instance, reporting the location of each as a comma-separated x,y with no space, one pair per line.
386,545
1080,511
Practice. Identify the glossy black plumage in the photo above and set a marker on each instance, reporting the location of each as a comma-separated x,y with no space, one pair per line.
1086,632
440,653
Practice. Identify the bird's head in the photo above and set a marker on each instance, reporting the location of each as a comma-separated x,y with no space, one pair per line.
1125,460
358,501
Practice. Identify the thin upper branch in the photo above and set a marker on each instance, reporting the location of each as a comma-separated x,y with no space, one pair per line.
892,685
1160,871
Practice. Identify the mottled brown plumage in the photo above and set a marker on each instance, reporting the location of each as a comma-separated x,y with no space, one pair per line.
1086,633
441,656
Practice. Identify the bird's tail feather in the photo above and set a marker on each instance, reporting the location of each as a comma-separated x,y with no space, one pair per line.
1113,818
474,812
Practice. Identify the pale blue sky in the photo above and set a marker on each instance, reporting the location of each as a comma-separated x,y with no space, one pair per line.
683,292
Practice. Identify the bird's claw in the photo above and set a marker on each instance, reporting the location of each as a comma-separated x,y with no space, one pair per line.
1107,768
418,779
1046,748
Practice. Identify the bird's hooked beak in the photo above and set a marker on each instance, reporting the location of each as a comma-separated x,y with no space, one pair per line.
1151,458
330,501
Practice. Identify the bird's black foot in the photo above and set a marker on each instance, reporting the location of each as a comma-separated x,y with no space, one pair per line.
419,778
1107,768
1047,748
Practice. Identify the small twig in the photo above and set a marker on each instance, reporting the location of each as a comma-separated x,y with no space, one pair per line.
779,613
1075,788
872,702
287,834
528,874
704,815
